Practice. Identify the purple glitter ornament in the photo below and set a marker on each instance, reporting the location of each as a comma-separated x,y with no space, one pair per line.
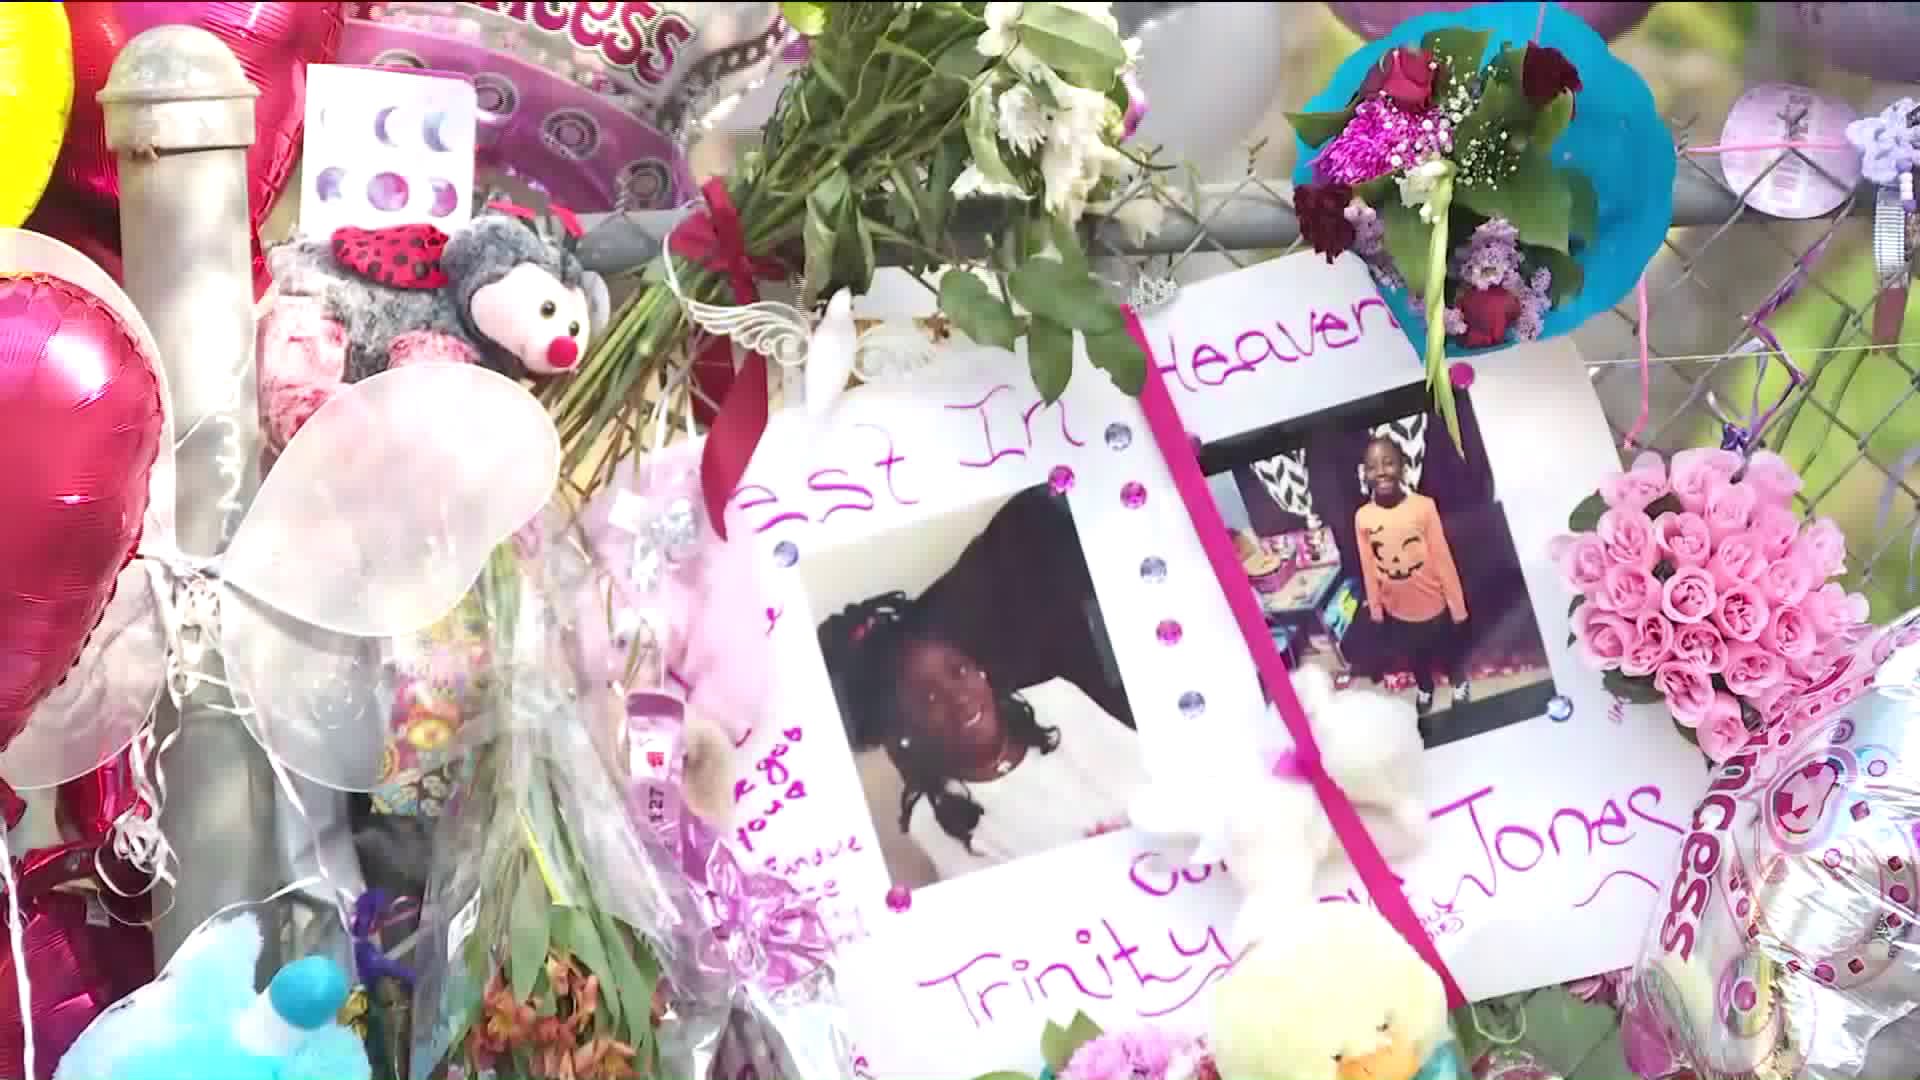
1168,632
1060,479
899,898
1133,494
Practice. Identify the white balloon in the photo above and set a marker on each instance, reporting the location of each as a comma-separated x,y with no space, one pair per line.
1211,72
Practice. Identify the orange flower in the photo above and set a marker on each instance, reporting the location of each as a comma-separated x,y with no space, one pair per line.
604,1059
559,975
586,1000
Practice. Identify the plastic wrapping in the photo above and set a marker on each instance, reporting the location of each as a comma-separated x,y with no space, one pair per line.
1783,945
540,880
640,571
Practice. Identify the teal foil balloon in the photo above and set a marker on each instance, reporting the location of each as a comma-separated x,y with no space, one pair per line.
1617,139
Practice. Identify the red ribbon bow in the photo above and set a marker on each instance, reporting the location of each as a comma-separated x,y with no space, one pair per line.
715,239
565,216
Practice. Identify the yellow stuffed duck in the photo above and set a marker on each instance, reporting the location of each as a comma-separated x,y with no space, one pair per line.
1333,993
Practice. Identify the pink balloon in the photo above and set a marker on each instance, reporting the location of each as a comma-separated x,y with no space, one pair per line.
274,43
1372,21
1881,40
80,424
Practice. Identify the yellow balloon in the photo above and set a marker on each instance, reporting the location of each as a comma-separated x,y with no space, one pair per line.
36,94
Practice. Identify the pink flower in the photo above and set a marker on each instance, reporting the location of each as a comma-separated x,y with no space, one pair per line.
1695,473
1635,488
1824,548
1629,591
1140,1054
1752,670
1701,646
1772,478
1684,538
1786,581
1831,609
1582,559
1742,614
1790,633
1729,509
1652,646
1689,596
1722,730
1627,536
1688,690
1774,701
1603,637
1772,530
1735,561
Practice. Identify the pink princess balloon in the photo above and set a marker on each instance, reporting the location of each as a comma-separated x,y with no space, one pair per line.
591,104
1609,20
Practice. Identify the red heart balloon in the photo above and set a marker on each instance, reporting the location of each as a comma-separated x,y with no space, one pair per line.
274,44
80,422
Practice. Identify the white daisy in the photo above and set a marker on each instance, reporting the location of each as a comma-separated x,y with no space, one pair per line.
1023,120
998,37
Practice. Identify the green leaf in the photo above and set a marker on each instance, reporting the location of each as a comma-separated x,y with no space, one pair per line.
573,930
1066,241
1637,691
1078,46
625,974
853,261
1552,121
1461,50
1316,128
1575,606
1057,1044
1408,241
809,19
948,161
1665,504
1121,357
983,138
1584,213
1049,357
826,205
1586,516
527,932
1003,1076
1535,199
1568,277
1501,108
1377,191
1050,289
976,310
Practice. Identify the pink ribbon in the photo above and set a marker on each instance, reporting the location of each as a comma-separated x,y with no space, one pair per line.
763,931
1171,435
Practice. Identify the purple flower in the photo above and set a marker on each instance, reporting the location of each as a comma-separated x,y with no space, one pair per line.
1888,144
1369,232
1382,138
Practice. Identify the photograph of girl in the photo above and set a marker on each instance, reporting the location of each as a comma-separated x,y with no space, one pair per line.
1380,552
976,682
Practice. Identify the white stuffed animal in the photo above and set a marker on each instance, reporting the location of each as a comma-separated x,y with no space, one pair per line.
1268,824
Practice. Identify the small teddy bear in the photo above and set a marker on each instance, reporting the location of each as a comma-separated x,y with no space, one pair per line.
500,292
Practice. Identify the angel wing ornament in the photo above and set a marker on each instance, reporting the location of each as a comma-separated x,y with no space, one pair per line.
828,353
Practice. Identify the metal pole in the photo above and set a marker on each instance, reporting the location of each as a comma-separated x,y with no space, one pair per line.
179,119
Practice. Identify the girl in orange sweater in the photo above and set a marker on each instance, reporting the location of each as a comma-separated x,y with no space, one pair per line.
1412,585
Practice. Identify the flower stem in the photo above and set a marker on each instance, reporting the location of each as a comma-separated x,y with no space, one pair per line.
1441,206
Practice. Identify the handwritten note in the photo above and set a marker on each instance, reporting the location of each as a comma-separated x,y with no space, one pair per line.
1545,842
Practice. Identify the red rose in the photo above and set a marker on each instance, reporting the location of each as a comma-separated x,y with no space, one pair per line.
1322,213
1545,74
1488,313
1408,76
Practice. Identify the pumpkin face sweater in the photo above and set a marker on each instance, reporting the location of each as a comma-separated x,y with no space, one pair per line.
1405,562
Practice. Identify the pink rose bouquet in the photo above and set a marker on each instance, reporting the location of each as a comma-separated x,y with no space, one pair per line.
1698,587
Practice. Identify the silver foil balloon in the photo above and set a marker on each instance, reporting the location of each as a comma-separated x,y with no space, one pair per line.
1784,944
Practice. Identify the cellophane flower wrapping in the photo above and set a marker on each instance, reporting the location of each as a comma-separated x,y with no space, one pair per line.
650,589
1782,944
554,934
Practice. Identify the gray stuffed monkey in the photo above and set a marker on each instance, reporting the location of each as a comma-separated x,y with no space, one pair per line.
498,293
